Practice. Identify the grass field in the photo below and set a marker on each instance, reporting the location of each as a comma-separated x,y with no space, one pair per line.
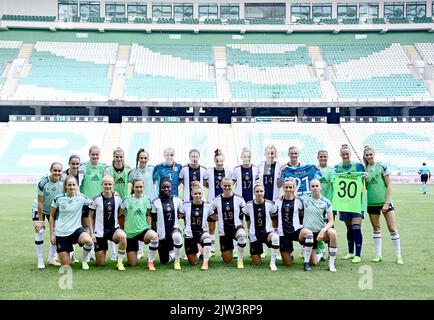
19,278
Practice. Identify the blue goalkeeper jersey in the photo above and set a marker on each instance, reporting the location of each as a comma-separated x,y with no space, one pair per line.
302,175
163,171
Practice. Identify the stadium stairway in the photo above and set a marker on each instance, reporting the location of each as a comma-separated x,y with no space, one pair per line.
226,140
120,70
110,142
3,129
223,86
339,137
315,54
12,81
430,86
414,56
327,87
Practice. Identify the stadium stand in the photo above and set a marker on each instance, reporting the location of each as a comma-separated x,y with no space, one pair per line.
373,71
426,50
28,148
402,146
67,70
159,69
271,71
201,136
308,137
8,52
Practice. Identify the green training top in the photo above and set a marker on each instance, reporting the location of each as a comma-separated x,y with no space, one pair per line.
135,215
121,181
91,184
326,177
376,186
348,189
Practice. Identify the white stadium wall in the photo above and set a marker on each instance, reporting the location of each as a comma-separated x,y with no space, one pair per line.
50,7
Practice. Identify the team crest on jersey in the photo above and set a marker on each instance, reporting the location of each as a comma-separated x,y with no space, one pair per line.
227,206
109,207
168,208
287,209
268,172
196,212
219,178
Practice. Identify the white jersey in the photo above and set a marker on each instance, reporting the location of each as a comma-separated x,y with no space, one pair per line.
270,175
78,178
229,211
166,213
106,213
188,175
260,217
195,217
214,179
245,179
288,215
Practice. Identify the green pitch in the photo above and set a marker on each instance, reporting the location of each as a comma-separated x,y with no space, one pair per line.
19,278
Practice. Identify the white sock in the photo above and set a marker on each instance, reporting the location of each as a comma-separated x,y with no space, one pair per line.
396,243
332,256
113,248
241,246
377,243
121,255
306,253
153,246
274,248
206,249
141,245
86,251
53,252
177,244
212,242
39,243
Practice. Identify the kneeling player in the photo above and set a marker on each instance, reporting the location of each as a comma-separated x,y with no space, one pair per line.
165,221
195,215
137,210
258,215
104,226
228,208
65,218
288,223
318,210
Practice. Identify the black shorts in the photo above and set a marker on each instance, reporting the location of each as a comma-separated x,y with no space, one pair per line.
287,239
379,209
35,216
226,241
424,177
133,243
256,247
85,212
65,243
191,243
166,245
315,241
101,242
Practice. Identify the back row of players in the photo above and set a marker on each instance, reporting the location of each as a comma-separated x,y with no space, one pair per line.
273,219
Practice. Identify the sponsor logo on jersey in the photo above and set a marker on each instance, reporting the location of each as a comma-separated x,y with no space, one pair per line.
138,212
95,178
120,180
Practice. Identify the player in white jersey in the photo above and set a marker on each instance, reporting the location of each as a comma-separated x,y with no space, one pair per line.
213,180
245,176
318,218
65,223
75,171
269,173
288,222
195,215
47,188
258,215
104,226
165,222
228,210
190,173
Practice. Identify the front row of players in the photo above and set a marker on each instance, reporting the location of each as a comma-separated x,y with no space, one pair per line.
307,219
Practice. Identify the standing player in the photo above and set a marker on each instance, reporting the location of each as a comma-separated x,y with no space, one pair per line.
258,215
119,171
269,173
195,215
288,222
168,170
94,171
143,171
48,188
318,218
65,223
74,169
137,210
353,220
165,222
228,208
191,173
214,178
425,175
245,176
104,226
379,191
